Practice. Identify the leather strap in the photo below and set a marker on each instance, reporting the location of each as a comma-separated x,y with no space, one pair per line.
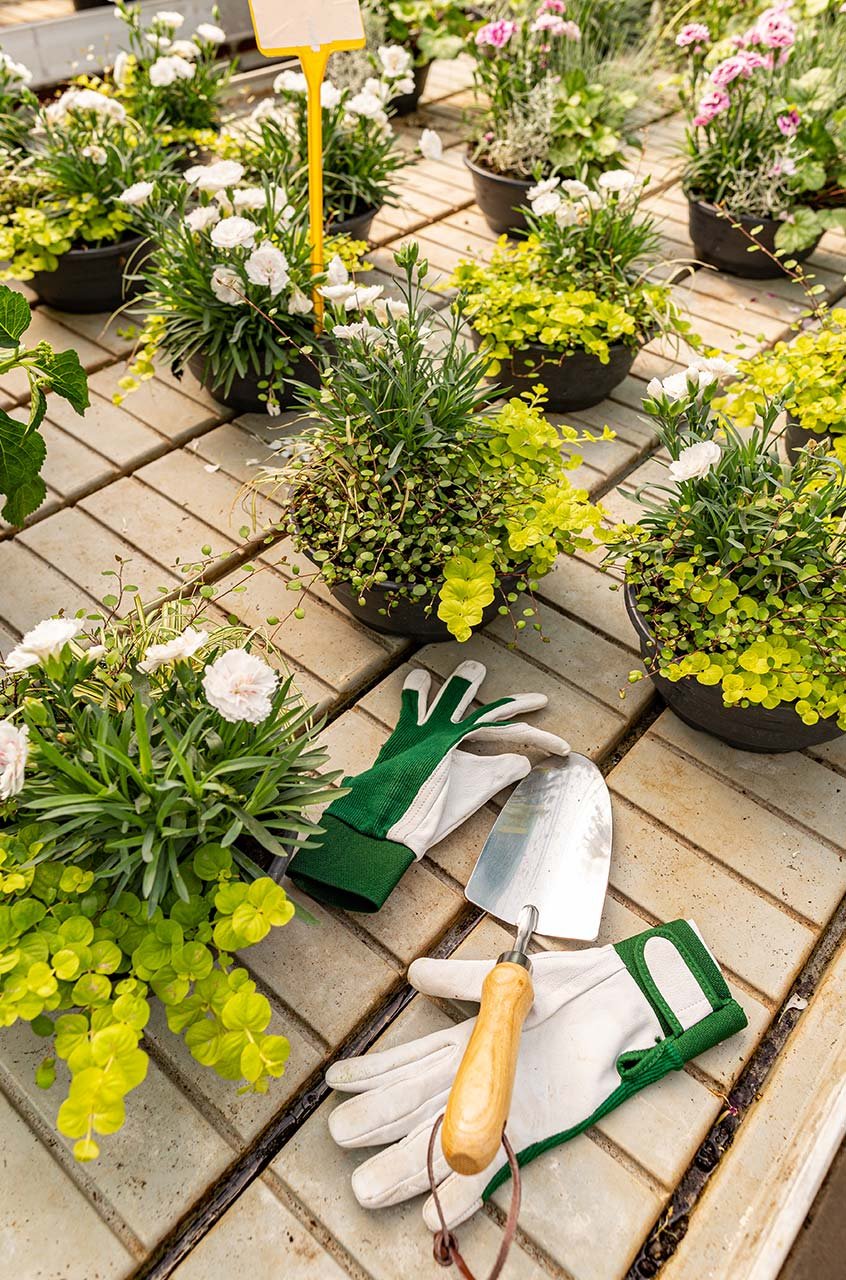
445,1248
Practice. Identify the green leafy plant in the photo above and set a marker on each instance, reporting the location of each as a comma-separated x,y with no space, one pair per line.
360,155
767,123
739,566
428,28
408,478
171,83
147,767
578,282
81,188
229,281
22,448
808,374
18,104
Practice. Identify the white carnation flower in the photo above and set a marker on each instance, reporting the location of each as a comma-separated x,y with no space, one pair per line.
386,309
137,194
290,82
234,233
619,180
185,49
95,153
361,330
249,198
210,33
543,188
162,43
15,70
299,303
74,100
715,365
547,202
200,219
367,104
215,177
679,386
330,95
395,60
268,266
167,70
45,640
121,67
227,286
575,190
696,460
240,686
567,214
431,147
168,18
178,649
14,749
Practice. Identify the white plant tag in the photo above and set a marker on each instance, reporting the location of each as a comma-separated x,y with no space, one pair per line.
286,26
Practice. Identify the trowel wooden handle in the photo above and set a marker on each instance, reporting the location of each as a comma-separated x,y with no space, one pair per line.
480,1098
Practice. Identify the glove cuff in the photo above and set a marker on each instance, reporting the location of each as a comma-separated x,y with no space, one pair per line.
348,869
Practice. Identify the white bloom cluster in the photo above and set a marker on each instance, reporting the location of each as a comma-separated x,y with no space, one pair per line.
240,685
345,292
15,71
431,146
696,460
395,62
46,640
96,154
569,199
169,19
76,100
702,372
139,193
167,70
179,649
212,178
209,33
14,750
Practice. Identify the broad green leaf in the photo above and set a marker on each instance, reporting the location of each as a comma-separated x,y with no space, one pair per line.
22,454
246,1011
14,316
67,378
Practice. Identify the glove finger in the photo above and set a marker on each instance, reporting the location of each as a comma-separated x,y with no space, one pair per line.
522,736
511,707
399,1172
418,683
391,1114
460,1197
372,1070
454,698
473,780
450,979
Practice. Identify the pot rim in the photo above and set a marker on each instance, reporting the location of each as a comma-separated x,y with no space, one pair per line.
558,358
390,585
104,250
505,179
710,208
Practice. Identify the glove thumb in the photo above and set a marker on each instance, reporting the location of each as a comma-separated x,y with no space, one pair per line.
450,979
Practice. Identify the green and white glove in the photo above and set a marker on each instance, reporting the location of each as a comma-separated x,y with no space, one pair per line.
420,788
605,1022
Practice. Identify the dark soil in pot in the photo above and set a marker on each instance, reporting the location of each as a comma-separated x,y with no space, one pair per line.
500,198
751,728
243,395
404,103
574,382
796,437
718,244
404,617
89,280
356,226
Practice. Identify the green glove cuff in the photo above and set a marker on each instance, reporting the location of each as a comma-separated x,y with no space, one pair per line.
348,869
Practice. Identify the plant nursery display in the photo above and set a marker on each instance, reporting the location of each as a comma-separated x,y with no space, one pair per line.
22,448
736,576
426,30
425,509
555,105
172,82
18,104
570,305
766,139
150,769
360,156
227,290
69,214
808,374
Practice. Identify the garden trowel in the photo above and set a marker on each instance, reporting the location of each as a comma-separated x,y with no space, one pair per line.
544,867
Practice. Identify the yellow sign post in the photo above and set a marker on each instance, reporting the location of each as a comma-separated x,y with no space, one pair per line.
311,29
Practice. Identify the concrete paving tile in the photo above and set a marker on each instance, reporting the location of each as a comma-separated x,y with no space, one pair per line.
754,1204
34,590
663,1125
586,593
152,1169
760,846
161,406
49,1231
354,741
416,915
667,879
792,783
71,468
267,1241
111,431
209,494
101,328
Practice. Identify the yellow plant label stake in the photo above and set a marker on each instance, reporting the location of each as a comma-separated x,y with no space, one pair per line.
311,29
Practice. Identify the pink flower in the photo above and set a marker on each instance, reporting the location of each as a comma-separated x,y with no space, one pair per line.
571,31
496,34
550,22
752,60
552,6
713,102
695,33
727,70
776,29
789,123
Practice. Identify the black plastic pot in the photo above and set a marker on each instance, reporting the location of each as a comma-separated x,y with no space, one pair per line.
89,4
796,437
718,244
574,382
243,395
89,280
751,728
383,612
357,226
404,103
500,198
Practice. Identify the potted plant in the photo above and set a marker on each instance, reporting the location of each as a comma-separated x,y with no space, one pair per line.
426,30
808,374
171,82
227,288
554,105
18,105
69,223
736,579
570,305
426,510
360,155
22,448
765,142
151,768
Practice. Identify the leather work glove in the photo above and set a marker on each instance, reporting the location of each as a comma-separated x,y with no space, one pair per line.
605,1022
419,790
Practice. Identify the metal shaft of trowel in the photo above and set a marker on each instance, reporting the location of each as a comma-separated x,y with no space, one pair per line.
527,922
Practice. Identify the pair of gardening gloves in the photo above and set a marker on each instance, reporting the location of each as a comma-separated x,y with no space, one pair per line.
605,1021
